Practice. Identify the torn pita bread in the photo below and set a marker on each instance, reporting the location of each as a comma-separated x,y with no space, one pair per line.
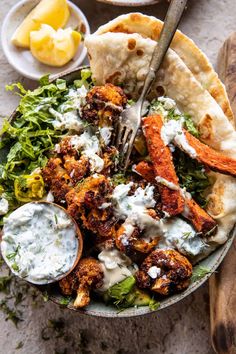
120,52
193,57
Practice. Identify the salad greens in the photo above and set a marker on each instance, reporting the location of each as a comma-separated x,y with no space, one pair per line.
199,272
125,294
29,138
192,176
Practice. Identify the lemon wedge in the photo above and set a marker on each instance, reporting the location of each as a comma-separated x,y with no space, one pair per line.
54,48
52,12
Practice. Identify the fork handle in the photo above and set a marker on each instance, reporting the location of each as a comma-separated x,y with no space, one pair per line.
171,22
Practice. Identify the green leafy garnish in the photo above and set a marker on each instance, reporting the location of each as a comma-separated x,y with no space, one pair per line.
29,138
5,282
12,314
168,114
19,345
65,300
192,176
13,254
153,304
86,79
118,178
199,272
15,267
119,291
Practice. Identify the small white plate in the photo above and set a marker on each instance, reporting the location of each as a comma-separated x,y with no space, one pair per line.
130,2
22,59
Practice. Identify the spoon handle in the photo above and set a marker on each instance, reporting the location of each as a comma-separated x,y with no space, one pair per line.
171,22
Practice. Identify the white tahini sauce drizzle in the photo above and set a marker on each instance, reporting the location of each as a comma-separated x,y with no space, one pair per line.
39,242
116,267
135,206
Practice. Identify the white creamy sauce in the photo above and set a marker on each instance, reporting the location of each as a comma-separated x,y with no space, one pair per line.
106,133
170,129
88,145
154,272
135,207
39,242
180,235
167,183
69,120
4,206
181,141
116,267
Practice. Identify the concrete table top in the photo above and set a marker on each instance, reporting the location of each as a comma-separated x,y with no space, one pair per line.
42,327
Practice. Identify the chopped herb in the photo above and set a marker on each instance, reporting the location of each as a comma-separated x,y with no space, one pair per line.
15,267
118,178
65,300
45,296
56,218
13,254
186,235
154,305
5,282
192,176
199,272
19,345
12,314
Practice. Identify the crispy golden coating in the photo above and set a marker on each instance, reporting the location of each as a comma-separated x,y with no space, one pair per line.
86,276
215,160
132,243
69,284
57,179
77,169
103,105
173,202
173,272
201,221
85,201
90,274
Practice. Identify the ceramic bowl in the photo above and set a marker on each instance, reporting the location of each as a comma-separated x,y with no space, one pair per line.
21,59
99,308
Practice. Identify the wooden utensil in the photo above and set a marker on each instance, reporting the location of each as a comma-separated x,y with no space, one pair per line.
223,282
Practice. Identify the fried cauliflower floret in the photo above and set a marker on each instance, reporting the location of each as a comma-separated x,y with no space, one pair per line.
85,202
77,169
164,272
57,179
103,105
129,240
87,276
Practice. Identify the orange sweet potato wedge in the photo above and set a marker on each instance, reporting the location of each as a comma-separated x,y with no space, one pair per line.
201,221
215,160
172,201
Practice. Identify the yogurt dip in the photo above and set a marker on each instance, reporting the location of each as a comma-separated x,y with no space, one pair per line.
40,242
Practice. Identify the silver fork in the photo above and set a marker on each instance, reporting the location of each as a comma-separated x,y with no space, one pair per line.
130,118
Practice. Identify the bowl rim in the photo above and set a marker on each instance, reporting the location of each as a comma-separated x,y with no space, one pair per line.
219,253
5,42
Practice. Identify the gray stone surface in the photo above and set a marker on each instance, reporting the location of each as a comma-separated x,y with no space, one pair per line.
181,329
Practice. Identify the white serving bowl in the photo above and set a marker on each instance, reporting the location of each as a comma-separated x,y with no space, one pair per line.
22,59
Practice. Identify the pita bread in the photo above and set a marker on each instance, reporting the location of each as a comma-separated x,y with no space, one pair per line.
194,58
115,57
